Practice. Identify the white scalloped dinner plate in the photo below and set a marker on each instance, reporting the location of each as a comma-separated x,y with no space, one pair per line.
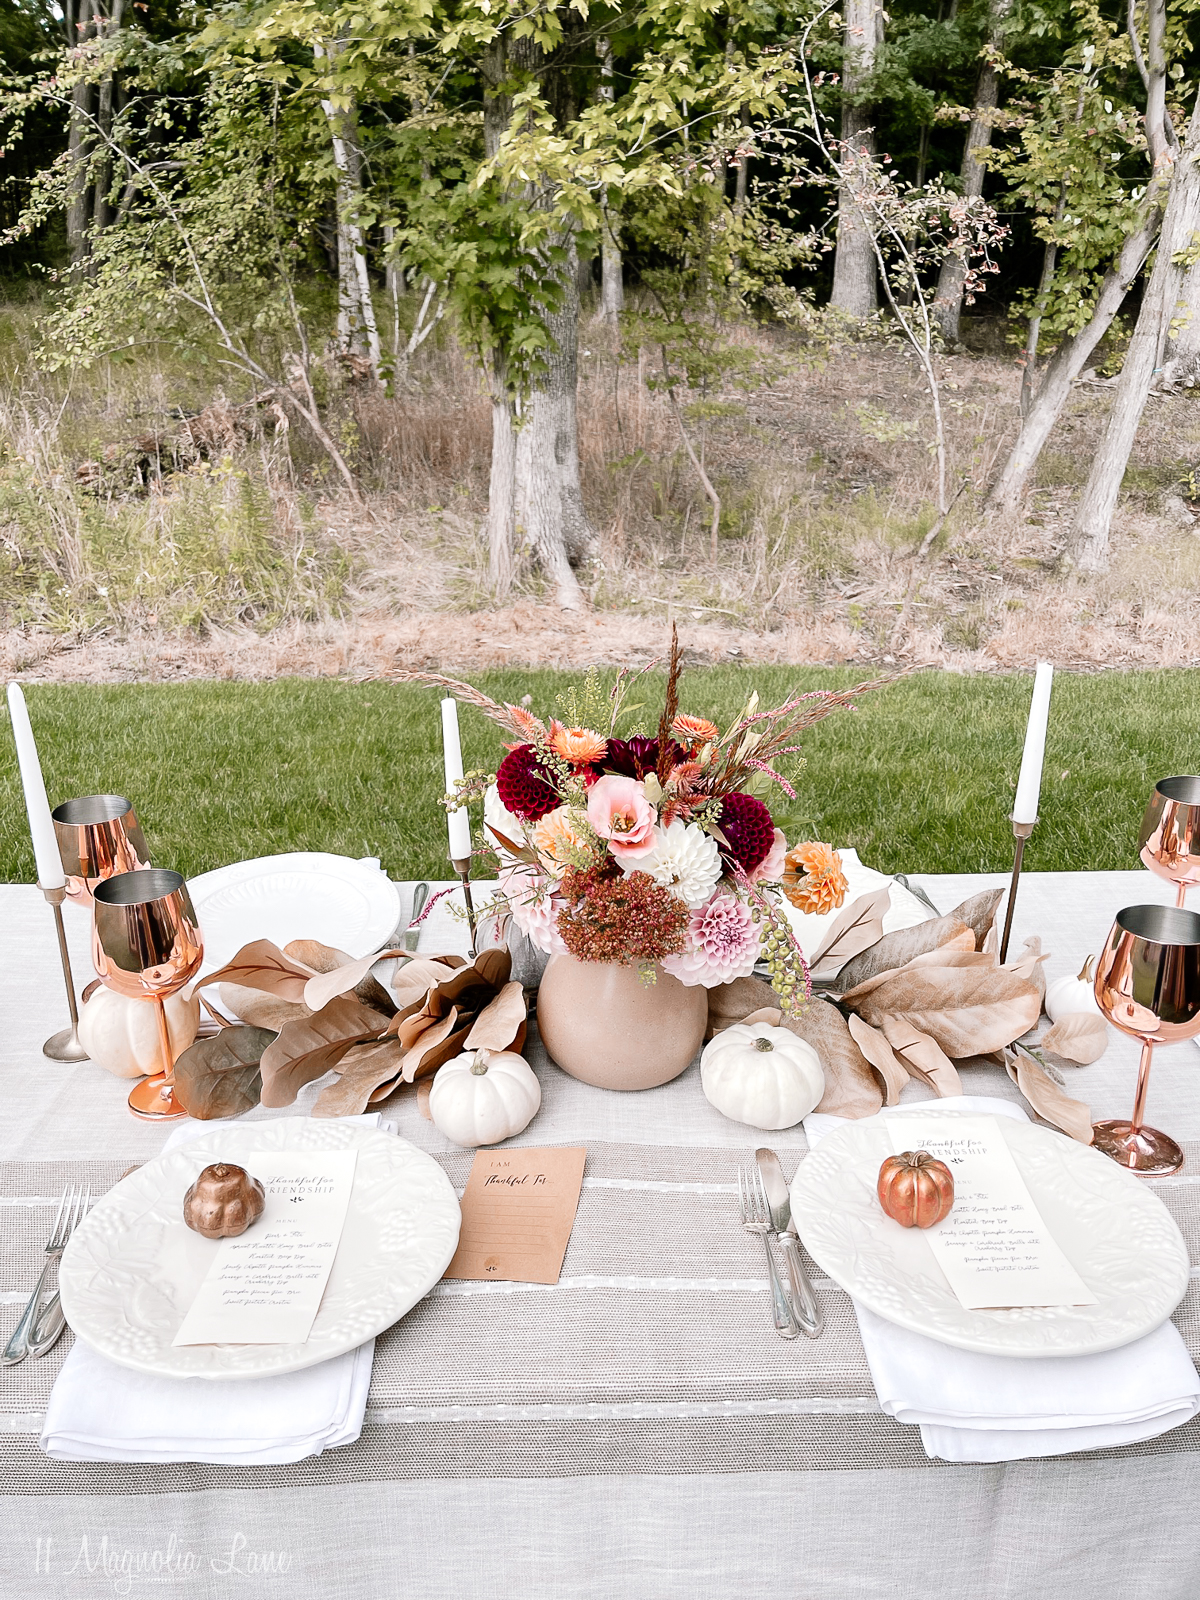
351,905
133,1266
1115,1231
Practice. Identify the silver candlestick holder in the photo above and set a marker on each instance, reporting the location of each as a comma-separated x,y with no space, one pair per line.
462,865
1021,832
64,1045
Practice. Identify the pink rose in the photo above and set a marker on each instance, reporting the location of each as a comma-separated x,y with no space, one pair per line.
618,810
771,870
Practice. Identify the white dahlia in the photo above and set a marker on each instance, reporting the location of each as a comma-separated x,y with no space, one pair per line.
683,859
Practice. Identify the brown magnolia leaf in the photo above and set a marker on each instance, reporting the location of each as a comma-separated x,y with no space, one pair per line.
427,1043
1046,1098
881,1056
967,1010
219,1076
498,1023
415,978
214,1015
771,1015
494,966
733,1002
956,952
423,1092
922,1055
307,1048
898,948
320,957
411,1029
263,965
1080,1036
979,913
851,1087
361,1070
431,1054
1028,962
858,928
260,1009
320,990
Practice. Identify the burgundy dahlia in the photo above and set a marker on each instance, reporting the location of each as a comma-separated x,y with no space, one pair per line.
635,758
746,824
525,786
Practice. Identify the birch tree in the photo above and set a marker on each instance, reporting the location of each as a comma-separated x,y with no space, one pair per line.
854,280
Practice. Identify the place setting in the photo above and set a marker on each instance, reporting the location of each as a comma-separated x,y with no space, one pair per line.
627,925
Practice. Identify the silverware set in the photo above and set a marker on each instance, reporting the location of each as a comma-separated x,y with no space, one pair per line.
41,1324
767,1211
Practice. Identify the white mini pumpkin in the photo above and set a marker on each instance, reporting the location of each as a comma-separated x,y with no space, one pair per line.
484,1096
1066,996
120,1033
762,1076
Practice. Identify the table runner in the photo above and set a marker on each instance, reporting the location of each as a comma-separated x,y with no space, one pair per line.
645,1396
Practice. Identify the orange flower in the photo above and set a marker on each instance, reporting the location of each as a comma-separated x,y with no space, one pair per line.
559,839
694,731
579,746
813,879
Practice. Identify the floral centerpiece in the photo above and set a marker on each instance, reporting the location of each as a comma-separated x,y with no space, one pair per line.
655,850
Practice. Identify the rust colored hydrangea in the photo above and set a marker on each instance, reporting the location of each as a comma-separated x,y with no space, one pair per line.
623,919
813,879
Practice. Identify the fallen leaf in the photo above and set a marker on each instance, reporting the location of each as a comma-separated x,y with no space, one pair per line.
968,1010
220,1076
851,1087
771,1015
858,928
958,951
881,1056
431,1054
325,986
361,1071
924,1056
898,948
414,979
1081,1036
428,1042
307,1048
494,966
263,965
979,913
1046,1098
498,1024
320,957
733,1002
260,1009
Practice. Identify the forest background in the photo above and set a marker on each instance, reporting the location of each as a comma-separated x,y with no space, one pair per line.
444,331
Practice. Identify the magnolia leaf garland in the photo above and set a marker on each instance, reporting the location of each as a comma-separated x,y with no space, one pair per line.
1080,1037
859,927
219,1076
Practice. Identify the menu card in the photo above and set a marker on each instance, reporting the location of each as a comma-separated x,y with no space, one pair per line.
265,1286
518,1210
994,1247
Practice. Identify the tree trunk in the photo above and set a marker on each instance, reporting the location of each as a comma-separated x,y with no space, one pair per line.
501,522
358,334
79,146
1181,360
947,304
101,210
854,287
1093,521
612,272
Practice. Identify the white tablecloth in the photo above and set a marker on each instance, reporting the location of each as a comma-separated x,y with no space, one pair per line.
839,1524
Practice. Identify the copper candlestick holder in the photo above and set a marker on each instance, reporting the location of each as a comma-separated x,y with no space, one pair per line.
1021,832
463,867
64,1045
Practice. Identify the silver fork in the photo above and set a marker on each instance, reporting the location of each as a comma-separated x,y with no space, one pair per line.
756,1218
71,1210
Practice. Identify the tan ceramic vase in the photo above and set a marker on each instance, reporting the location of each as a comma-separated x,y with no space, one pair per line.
602,1025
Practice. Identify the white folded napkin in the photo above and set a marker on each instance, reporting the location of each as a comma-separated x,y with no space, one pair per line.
973,1407
99,1411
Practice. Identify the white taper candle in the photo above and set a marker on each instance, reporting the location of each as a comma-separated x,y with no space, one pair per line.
41,824
1029,784
459,821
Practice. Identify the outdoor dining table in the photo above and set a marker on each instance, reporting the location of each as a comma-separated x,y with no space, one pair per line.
637,1430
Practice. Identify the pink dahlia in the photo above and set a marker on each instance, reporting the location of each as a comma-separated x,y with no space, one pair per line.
525,786
534,908
746,824
723,944
618,810
771,869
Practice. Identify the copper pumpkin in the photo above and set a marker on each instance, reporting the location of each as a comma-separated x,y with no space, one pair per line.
915,1189
223,1202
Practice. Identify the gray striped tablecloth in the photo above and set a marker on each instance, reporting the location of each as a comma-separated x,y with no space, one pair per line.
636,1430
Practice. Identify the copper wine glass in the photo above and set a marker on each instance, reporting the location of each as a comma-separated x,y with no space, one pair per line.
98,836
146,943
1169,843
1148,985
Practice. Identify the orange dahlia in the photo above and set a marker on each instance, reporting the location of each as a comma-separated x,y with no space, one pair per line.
813,879
559,838
694,731
579,746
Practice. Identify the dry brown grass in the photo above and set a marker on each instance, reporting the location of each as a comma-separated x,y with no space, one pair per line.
827,486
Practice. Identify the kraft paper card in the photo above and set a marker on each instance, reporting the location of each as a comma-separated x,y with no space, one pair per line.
264,1287
518,1210
994,1247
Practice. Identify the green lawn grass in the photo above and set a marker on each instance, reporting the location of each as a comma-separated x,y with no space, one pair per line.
919,778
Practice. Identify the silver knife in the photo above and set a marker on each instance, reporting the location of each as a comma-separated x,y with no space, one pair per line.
804,1302
412,935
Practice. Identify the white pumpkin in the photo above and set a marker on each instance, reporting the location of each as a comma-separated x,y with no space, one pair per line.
484,1096
760,1075
1066,996
120,1033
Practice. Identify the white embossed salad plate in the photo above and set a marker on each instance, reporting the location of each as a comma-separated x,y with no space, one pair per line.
1115,1231
351,905
133,1266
